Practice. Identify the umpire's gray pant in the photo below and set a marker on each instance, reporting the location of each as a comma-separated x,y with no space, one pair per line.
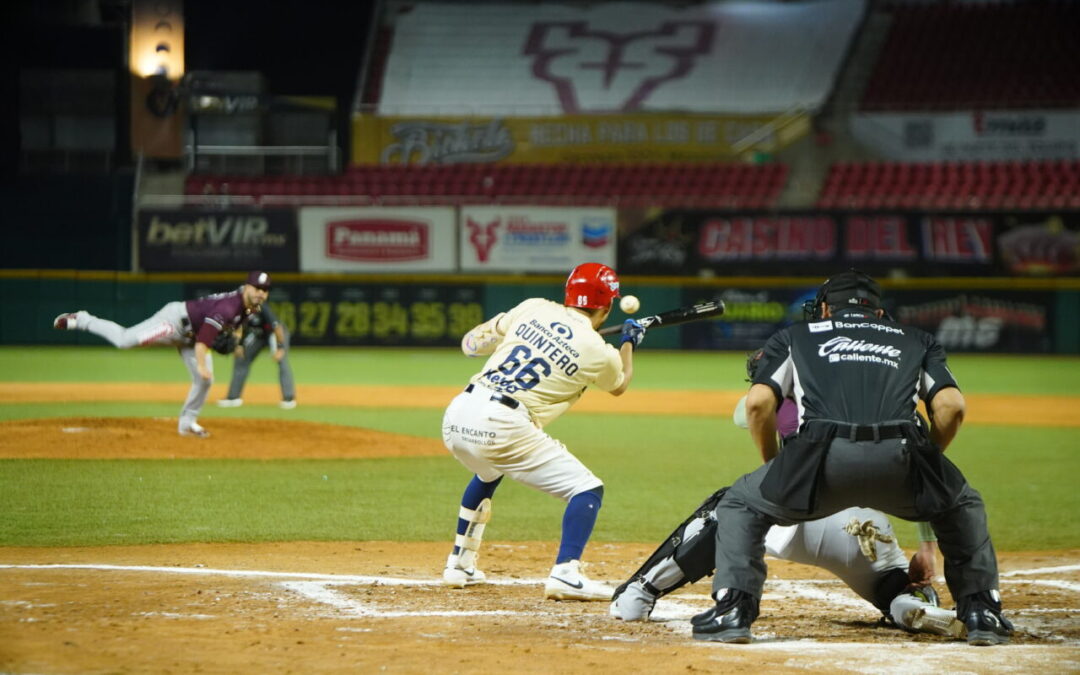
864,473
252,344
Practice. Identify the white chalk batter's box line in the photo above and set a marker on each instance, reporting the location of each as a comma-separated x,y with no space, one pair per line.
319,588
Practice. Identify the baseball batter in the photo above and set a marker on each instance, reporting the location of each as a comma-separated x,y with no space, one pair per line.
192,327
541,358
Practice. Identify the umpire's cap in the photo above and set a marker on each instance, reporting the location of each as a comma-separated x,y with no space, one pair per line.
259,280
852,288
847,289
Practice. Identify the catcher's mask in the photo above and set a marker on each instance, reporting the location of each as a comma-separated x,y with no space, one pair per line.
592,286
851,289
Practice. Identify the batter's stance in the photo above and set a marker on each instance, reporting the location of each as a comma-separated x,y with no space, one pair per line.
855,377
192,327
541,358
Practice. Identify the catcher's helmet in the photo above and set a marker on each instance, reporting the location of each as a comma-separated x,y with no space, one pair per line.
591,285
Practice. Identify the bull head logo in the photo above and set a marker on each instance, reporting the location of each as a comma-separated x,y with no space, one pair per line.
482,237
630,66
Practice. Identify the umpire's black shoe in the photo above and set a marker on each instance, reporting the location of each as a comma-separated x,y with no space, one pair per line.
981,614
729,620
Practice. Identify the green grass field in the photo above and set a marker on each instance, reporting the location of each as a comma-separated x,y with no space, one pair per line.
656,468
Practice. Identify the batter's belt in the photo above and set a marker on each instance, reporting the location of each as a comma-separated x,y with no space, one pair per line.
505,400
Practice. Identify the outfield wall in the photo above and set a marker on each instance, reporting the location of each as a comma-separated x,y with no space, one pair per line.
1038,316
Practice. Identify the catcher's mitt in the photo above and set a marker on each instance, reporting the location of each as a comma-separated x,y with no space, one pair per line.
225,342
753,360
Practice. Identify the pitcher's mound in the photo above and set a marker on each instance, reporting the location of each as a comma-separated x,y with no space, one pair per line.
142,438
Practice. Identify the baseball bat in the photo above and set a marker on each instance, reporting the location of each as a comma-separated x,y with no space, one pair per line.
673,317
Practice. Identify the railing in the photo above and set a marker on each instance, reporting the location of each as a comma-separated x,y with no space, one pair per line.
327,158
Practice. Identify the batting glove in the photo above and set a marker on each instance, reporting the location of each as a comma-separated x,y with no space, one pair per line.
632,332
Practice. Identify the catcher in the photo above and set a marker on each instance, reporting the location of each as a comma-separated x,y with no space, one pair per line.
856,544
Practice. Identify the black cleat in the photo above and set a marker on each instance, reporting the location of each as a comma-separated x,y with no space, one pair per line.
981,614
729,620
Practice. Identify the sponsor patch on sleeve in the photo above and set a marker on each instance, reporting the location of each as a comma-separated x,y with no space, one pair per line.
820,326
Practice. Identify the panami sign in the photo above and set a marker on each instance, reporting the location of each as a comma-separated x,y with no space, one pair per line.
377,239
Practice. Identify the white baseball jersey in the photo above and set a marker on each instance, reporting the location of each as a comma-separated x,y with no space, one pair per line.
548,355
542,358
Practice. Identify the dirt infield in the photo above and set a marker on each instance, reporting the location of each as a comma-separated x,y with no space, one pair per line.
319,607
982,408
348,607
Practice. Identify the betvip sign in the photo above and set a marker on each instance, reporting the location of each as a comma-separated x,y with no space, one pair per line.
217,239
535,239
377,239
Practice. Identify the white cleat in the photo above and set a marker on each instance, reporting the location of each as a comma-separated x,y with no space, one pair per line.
455,576
230,403
287,404
566,582
195,431
67,321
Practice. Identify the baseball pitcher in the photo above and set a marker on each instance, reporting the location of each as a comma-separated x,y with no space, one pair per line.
541,356
193,327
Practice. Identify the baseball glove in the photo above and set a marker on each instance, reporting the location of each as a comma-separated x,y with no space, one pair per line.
753,360
225,342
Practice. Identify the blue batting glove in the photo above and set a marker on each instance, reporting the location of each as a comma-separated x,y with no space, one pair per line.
632,332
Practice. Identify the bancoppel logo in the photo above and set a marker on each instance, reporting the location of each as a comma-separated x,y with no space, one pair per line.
596,232
841,349
212,231
820,326
563,55
483,236
873,326
377,240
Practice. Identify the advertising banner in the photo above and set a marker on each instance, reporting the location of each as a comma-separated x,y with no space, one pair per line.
962,321
678,242
665,137
217,239
971,135
373,314
390,239
535,239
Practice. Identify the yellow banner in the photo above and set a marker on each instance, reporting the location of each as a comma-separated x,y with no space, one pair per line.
573,138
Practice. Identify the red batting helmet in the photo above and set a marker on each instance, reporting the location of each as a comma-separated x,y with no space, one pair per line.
591,285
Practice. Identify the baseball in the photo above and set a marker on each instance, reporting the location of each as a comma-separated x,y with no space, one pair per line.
629,304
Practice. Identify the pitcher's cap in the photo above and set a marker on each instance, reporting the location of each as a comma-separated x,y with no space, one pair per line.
259,280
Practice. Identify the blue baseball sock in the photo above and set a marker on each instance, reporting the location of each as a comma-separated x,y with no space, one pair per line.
475,492
577,523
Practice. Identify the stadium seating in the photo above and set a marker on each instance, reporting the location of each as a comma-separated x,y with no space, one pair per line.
952,185
673,185
957,56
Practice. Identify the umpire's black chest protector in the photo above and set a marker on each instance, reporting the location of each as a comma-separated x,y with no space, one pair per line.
854,368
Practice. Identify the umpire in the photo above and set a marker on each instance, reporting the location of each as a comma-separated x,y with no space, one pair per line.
263,329
855,376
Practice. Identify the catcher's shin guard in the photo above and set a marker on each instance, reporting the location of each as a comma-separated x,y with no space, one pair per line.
468,544
692,546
